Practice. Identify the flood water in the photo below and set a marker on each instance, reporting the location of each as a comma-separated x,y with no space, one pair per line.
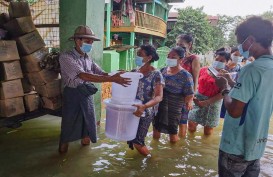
31,151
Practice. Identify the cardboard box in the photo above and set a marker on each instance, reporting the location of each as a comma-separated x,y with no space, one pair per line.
11,89
20,26
31,63
51,89
19,9
42,77
27,87
8,51
30,43
10,70
11,107
32,101
52,103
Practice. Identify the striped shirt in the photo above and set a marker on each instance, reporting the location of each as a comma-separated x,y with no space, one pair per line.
72,64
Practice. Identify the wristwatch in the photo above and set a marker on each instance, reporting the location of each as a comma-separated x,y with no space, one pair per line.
225,91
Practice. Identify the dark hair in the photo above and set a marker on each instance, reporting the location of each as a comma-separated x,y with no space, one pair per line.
223,49
259,28
150,51
187,37
234,49
224,54
179,51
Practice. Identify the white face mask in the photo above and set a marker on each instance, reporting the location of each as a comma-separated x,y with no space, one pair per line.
171,62
236,59
218,65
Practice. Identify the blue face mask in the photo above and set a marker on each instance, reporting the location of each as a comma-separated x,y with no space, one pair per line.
245,54
139,61
171,62
86,48
218,65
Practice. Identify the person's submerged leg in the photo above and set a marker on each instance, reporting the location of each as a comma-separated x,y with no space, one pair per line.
139,141
230,165
253,169
192,126
63,148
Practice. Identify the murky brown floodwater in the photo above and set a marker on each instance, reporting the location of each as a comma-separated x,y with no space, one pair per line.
31,151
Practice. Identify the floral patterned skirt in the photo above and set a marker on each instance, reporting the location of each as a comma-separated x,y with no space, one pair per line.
206,116
143,127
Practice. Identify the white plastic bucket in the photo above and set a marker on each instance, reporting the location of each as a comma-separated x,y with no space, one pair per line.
121,123
126,95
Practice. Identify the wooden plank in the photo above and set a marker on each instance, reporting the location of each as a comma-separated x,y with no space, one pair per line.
149,31
138,29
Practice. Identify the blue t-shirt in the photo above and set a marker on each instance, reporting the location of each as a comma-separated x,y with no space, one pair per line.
248,134
181,83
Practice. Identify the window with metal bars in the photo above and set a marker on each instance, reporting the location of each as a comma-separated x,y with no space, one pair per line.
45,14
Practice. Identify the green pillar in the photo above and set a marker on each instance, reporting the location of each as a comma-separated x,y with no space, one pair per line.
151,39
83,12
108,24
132,38
153,8
164,42
132,43
166,15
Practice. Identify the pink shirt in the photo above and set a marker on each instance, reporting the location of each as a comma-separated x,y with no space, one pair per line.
206,84
187,63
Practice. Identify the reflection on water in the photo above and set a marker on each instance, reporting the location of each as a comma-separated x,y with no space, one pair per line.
34,154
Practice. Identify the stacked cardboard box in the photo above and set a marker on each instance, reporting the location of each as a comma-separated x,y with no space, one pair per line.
47,83
17,10
11,90
32,101
52,103
31,49
21,28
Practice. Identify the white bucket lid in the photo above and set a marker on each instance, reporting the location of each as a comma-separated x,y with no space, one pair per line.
127,107
124,102
132,75
137,75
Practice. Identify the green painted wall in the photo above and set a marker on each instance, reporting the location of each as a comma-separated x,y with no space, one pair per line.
83,12
110,61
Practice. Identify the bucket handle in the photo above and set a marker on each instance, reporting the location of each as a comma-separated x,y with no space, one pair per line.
143,114
140,75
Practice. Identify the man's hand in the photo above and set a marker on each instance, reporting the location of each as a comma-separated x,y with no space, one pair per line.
222,83
121,80
140,109
228,76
